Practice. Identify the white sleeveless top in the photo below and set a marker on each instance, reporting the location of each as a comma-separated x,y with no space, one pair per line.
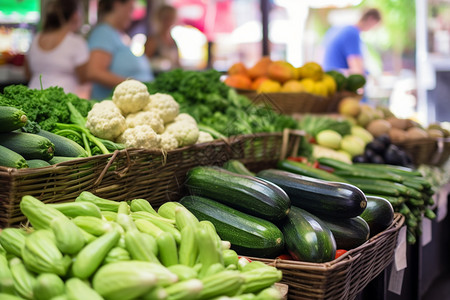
57,66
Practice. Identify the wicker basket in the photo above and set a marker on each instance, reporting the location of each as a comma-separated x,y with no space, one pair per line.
429,151
345,277
126,174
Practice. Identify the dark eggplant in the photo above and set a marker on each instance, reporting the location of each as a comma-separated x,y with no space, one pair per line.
377,159
385,139
393,155
359,159
376,146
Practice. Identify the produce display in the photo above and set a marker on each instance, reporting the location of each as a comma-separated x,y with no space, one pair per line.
95,248
215,105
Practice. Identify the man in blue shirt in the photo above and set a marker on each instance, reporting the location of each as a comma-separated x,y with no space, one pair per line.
343,44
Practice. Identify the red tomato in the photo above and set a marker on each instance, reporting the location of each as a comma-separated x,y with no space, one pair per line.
285,256
340,252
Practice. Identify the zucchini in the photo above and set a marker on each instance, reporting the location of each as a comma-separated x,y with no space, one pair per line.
37,163
237,167
247,194
64,146
348,233
305,170
385,184
59,159
378,214
11,119
9,158
30,146
334,199
404,171
247,234
307,238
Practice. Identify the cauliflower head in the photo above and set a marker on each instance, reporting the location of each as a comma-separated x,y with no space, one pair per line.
130,96
185,117
168,142
186,133
164,105
105,121
141,136
150,118
204,137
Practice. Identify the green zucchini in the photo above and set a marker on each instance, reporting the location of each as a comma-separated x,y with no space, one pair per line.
348,233
11,119
30,146
334,199
247,234
9,158
307,238
37,163
305,170
237,167
385,184
395,201
247,194
64,146
347,174
378,214
59,159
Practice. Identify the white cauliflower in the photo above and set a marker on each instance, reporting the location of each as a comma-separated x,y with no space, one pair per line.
204,137
142,136
105,121
165,105
168,142
186,133
131,96
150,118
185,117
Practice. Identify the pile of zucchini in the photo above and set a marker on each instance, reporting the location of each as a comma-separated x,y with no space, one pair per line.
278,211
406,189
95,248
25,150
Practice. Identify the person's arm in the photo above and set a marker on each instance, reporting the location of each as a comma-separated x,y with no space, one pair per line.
355,64
150,47
98,69
81,72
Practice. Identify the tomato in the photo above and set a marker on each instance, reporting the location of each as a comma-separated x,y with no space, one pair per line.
340,252
285,256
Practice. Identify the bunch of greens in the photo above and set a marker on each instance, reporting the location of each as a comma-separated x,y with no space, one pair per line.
44,108
212,103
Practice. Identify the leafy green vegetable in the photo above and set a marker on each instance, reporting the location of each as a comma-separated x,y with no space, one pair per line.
44,108
315,124
212,103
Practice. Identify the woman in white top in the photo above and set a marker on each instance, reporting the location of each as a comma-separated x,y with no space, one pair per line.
57,53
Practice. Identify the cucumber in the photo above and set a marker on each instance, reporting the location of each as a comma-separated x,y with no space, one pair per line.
395,201
9,158
237,167
305,170
247,234
307,238
378,214
385,184
348,233
404,171
30,146
37,163
11,119
247,194
319,197
64,146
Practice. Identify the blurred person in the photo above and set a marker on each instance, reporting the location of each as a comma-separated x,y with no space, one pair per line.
111,60
57,53
343,44
161,48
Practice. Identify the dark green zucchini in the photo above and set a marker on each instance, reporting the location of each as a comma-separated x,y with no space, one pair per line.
378,214
247,194
247,234
37,163
319,197
403,171
30,146
59,159
307,238
11,119
64,146
237,167
305,170
348,233
11,159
